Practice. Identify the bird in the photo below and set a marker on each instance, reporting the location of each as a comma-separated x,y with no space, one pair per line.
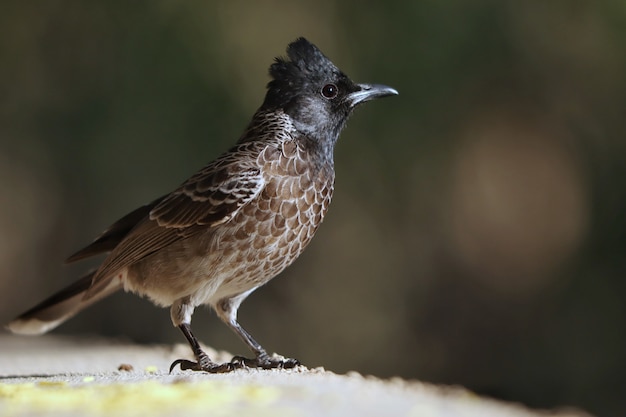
236,223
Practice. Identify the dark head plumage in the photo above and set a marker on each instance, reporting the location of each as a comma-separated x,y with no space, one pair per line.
314,92
305,67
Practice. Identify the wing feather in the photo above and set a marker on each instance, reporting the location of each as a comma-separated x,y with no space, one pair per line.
211,197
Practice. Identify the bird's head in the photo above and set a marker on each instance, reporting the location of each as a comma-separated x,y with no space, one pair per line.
317,96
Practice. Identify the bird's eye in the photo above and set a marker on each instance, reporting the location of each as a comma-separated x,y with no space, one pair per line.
330,91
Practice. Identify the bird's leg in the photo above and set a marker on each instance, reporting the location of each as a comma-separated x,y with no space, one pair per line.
261,359
181,317
227,311
204,363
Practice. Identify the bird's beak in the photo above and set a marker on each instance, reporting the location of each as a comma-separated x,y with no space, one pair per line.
369,92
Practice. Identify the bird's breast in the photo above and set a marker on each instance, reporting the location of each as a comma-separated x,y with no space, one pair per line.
273,229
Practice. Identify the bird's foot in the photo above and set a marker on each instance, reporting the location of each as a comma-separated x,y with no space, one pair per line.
205,364
264,361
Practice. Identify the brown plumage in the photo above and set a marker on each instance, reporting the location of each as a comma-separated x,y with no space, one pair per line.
235,224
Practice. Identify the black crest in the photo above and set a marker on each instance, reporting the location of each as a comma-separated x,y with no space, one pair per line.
304,67
304,60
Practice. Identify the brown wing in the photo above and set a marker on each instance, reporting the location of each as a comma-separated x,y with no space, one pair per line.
211,197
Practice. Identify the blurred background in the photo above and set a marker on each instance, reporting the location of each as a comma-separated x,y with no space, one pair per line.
478,231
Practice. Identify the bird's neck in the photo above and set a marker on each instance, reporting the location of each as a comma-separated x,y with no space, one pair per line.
269,125
277,126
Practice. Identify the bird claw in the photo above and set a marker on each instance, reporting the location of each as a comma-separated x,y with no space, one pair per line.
265,362
210,367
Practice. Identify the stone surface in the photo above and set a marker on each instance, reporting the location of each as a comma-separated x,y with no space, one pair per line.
92,377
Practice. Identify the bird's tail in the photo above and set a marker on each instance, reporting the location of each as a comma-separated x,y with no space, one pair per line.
61,306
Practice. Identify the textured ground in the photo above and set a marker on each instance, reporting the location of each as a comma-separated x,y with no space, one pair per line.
75,377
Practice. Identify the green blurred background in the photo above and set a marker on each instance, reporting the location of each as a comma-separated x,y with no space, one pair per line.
478,231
